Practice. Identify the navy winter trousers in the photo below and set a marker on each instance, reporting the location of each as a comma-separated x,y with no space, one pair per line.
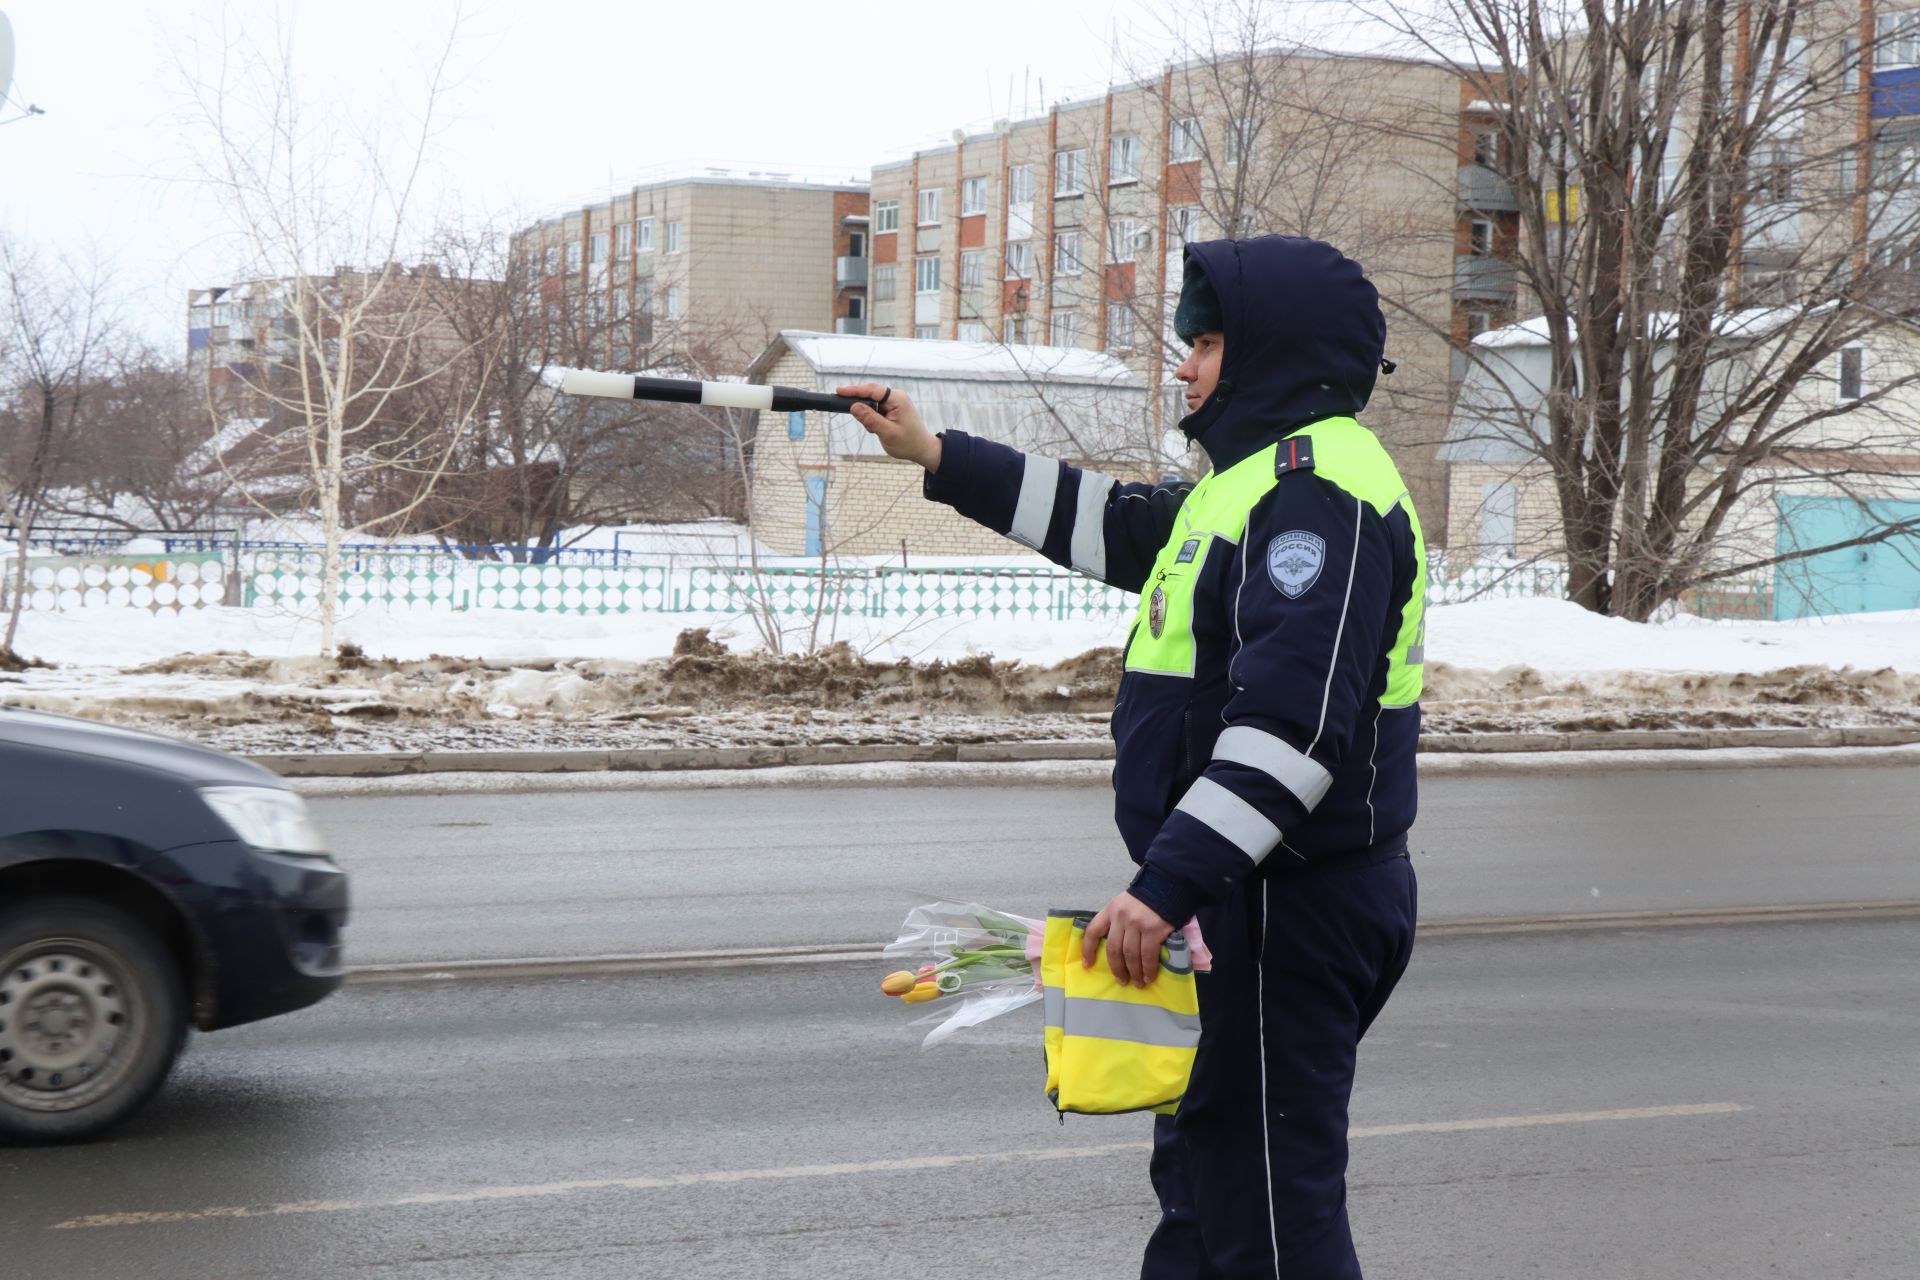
1251,1174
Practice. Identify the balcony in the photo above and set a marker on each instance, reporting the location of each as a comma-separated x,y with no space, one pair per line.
1482,276
850,273
1481,189
856,325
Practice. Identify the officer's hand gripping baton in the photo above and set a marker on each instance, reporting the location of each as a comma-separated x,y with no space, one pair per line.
722,395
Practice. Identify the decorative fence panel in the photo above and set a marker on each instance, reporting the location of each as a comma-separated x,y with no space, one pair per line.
162,583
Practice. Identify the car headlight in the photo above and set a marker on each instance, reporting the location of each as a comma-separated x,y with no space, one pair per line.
266,818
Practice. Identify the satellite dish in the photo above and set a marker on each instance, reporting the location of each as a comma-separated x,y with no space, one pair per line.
6,56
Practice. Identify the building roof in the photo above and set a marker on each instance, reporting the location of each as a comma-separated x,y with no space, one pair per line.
1060,401
944,361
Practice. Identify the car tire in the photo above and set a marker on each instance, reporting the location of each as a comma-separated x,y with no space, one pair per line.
92,1016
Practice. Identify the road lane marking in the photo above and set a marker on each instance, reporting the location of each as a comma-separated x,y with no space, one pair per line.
908,1164
622,964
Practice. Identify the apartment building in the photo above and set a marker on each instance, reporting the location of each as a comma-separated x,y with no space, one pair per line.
243,338
705,268
1066,229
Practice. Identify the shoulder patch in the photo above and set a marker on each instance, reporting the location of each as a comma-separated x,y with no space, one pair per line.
1295,454
1294,561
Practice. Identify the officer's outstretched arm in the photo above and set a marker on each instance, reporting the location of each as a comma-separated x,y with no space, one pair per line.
1315,584
1073,517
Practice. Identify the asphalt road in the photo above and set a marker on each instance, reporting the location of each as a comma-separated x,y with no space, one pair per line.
1732,1102
584,873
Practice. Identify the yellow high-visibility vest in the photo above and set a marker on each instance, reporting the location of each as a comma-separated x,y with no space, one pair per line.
1111,1047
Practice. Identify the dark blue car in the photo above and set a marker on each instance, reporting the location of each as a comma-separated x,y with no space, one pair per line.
146,885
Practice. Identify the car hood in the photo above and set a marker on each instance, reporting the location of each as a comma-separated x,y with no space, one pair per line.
201,766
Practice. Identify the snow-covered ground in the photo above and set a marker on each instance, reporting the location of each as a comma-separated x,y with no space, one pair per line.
496,679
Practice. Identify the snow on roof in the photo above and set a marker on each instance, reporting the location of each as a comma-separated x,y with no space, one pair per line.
1749,322
951,361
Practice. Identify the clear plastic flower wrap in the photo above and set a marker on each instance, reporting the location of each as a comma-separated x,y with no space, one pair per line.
976,963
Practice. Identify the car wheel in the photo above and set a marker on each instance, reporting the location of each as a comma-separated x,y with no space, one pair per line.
92,1016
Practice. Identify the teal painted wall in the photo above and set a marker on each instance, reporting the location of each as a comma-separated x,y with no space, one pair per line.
1865,579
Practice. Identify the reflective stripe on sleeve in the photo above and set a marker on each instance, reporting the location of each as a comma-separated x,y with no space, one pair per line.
1089,553
1278,759
1033,512
1137,1023
1234,819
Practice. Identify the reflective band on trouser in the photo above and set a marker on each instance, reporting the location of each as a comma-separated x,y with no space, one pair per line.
1121,1048
1280,760
1033,511
1089,545
1236,821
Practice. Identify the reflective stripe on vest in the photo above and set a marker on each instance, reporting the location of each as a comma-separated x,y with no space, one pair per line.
1345,454
1112,1047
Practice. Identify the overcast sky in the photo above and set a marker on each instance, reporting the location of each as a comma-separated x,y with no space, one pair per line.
557,101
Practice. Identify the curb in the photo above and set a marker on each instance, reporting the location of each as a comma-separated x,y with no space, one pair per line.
673,759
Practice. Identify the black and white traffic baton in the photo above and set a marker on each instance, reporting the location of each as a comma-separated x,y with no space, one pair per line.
720,395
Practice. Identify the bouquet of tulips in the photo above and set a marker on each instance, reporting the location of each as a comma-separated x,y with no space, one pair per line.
978,964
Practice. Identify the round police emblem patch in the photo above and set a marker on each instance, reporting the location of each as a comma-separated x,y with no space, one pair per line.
1157,612
1294,560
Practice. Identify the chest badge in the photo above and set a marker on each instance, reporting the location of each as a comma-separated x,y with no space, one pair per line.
1294,561
1157,612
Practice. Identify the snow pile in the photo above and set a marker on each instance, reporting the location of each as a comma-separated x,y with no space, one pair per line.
506,679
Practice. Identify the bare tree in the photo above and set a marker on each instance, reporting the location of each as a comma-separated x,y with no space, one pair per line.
54,335
1709,224
308,183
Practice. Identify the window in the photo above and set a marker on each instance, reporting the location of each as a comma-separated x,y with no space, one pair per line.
1016,329
573,255
1480,237
1850,372
645,291
926,332
1020,184
673,236
930,207
886,215
1069,172
1065,329
973,196
856,244
1019,259
1183,223
643,235
623,241
1123,238
1896,40
856,308
1187,140
972,331
1123,160
1240,136
926,273
1066,253
973,268
673,290
622,304
597,248
1120,327
885,282
1486,148
553,263
1478,322
796,425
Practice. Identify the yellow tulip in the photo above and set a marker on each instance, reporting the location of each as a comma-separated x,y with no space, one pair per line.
922,993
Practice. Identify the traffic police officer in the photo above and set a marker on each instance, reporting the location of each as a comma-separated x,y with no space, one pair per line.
1264,729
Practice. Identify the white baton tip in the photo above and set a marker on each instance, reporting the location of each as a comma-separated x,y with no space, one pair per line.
585,382
736,395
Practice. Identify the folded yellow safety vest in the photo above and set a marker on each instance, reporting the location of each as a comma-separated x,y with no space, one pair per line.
1111,1047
